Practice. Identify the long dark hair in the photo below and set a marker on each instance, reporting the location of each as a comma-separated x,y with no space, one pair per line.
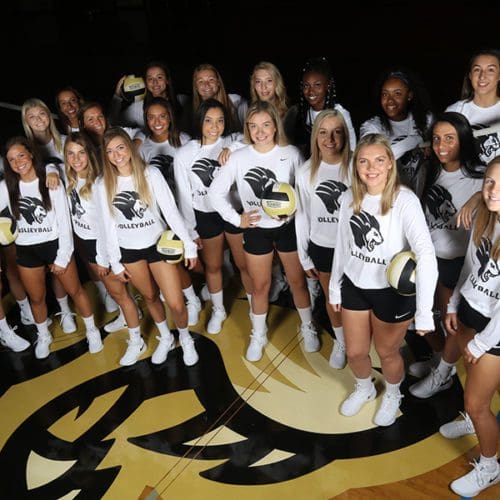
173,130
468,156
199,117
12,178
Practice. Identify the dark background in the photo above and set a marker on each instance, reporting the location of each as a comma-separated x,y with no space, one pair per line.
90,44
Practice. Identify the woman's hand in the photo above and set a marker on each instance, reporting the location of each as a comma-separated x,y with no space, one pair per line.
224,156
199,243
469,357
52,181
191,263
466,214
124,276
102,271
423,332
57,270
312,273
450,323
119,86
249,219
337,308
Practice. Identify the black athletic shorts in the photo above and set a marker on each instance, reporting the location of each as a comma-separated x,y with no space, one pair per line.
42,254
387,304
211,224
150,254
322,257
449,271
86,249
260,241
474,319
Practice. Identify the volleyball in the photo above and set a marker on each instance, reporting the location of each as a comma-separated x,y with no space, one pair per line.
279,201
8,231
134,88
401,273
171,247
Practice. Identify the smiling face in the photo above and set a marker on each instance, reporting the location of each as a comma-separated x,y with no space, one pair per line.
331,139
264,85
76,158
119,155
485,75
20,161
314,88
262,130
37,119
94,120
69,104
158,122
373,165
213,125
156,81
446,145
207,84
491,188
394,98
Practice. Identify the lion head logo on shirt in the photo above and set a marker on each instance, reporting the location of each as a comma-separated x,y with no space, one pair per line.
32,210
129,204
488,267
260,179
440,204
76,206
205,169
329,192
489,145
366,231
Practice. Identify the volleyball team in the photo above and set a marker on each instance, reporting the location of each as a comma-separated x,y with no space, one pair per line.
107,185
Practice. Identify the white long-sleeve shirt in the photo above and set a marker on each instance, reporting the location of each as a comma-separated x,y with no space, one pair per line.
195,168
479,118
36,224
366,242
252,172
442,205
317,214
134,225
479,284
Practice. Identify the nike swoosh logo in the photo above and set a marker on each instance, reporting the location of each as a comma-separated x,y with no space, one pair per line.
399,316
283,159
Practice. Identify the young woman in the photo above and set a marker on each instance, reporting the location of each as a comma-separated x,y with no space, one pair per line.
68,102
163,140
474,318
452,175
378,219
317,92
266,84
82,170
44,240
321,183
267,159
208,84
137,204
403,115
480,102
196,165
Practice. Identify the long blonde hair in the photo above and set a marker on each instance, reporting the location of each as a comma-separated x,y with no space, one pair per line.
110,172
93,167
485,220
280,98
315,151
270,109
31,103
391,188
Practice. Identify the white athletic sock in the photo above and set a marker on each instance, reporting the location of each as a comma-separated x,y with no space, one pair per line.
444,368
134,332
364,383
163,329
189,293
24,305
89,322
64,304
489,463
217,300
305,314
183,333
259,323
42,328
4,325
392,388
339,334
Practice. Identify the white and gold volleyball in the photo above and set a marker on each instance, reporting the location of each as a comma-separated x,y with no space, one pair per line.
279,200
171,247
401,273
134,88
8,231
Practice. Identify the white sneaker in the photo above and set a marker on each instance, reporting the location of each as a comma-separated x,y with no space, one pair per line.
136,347
386,414
338,356
422,368
357,399
67,322
115,325
13,341
475,481
257,344
430,385
94,340
204,293
42,349
189,354
278,285
109,303
193,309
310,336
458,428
165,345
214,325
26,317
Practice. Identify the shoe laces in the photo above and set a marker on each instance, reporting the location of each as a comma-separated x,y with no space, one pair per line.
134,342
467,421
391,399
481,475
339,346
308,330
64,315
